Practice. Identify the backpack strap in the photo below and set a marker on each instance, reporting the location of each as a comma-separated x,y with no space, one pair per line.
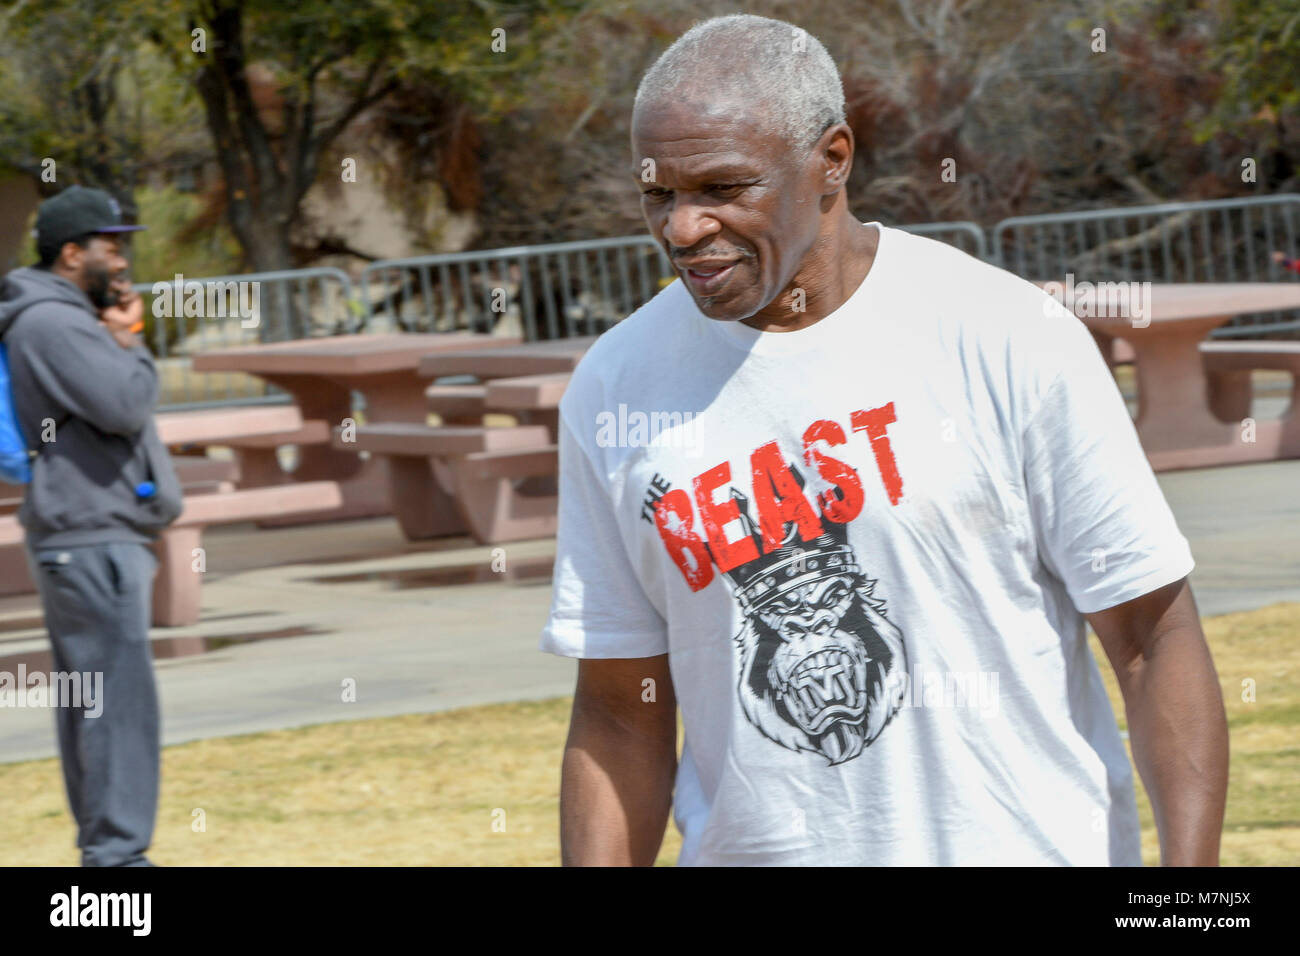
13,320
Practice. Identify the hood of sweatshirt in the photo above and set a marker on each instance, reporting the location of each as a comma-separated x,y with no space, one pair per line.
27,286
67,373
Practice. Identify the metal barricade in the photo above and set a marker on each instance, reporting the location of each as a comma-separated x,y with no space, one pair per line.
544,291
186,315
1222,240
566,289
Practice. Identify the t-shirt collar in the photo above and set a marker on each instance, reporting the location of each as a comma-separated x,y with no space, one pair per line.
752,340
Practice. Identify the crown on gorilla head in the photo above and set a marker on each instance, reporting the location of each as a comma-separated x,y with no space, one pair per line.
793,564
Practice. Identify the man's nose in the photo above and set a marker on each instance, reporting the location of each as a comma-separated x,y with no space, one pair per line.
688,224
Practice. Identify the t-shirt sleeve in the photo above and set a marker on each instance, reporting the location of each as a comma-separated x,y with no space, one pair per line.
1102,523
599,608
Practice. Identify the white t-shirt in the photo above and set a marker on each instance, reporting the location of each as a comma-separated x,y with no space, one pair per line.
866,546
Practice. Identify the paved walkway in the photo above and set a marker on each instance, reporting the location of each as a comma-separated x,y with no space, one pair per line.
429,627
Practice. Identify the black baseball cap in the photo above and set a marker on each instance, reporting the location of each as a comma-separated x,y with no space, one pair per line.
77,211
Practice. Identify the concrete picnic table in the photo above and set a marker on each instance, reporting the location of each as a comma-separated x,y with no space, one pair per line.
321,374
531,369
495,481
218,426
533,399
1175,422
210,499
527,392
208,426
530,358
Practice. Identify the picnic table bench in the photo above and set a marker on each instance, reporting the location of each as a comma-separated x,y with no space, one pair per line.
210,498
209,426
538,373
1228,366
228,426
197,476
221,426
443,480
177,587
322,374
496,482
457,404
527,392
532,395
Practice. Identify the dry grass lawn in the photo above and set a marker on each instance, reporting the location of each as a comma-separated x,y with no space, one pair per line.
480,786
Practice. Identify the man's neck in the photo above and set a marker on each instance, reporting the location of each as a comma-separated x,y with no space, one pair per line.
64,273
825,284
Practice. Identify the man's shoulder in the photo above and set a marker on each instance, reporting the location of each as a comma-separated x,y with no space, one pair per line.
47,322
632,344
953,273
58,310
55,333
996,308
29,292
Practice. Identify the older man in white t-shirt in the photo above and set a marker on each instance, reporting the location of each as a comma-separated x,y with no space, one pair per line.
846,495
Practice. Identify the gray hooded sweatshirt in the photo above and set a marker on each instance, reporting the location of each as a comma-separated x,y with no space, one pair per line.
86,406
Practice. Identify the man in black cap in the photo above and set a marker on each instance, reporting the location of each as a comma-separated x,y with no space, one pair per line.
102,489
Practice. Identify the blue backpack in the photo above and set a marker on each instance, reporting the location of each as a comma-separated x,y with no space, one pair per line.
15,459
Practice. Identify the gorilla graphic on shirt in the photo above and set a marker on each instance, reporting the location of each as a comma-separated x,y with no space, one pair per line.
821,668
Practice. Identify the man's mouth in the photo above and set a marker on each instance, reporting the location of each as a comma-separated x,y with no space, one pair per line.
708,280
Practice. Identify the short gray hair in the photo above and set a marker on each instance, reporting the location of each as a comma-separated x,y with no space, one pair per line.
773,63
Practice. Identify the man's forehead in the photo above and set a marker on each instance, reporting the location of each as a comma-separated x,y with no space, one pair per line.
697,120
700,164
690,143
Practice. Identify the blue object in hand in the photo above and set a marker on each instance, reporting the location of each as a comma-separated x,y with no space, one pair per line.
145,490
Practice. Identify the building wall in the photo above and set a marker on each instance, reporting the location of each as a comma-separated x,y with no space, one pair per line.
377,222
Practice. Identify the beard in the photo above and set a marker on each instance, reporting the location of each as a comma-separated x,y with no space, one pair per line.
98,281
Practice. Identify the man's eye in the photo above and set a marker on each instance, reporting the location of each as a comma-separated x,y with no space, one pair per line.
725,187
655,193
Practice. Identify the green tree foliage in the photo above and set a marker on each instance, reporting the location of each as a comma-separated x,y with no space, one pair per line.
70,92
111,89
279,82
1259,56
536,95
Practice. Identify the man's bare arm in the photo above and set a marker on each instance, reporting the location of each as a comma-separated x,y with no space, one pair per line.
619,763
1177,725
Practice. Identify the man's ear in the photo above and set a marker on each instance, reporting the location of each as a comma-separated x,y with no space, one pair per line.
835,155
71,256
